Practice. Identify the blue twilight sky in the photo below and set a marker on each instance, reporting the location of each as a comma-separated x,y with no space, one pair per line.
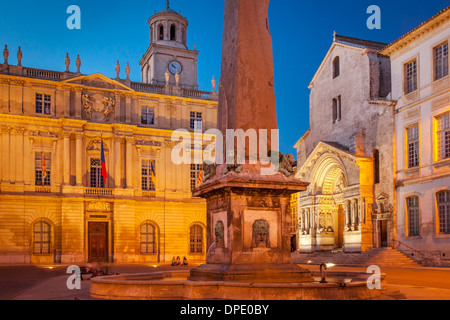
302,33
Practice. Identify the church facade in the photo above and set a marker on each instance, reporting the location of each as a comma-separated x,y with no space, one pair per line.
377,151
346,155
59,128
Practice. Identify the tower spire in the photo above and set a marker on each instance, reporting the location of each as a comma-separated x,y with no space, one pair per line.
168,4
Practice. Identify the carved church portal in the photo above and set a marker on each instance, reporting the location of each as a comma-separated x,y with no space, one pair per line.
98,241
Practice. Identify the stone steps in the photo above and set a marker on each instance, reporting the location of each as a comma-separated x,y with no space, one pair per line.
383,257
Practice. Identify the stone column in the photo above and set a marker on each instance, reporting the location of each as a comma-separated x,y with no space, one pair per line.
29,166
129,169
20,158
66,175
16,97
302,220
4,96
308,223
78,91
66,101
79,161
347,214
5,151
117,163
117,108
12,154
357,214
128,108
353,214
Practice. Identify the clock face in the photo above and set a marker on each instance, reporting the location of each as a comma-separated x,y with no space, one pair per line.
175,67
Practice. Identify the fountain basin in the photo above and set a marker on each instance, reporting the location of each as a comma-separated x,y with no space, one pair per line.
174,285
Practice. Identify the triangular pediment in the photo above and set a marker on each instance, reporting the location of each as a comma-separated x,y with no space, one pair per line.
98,80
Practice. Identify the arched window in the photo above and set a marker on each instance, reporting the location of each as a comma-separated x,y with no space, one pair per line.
161,33
41,238
196,239
376,166
148,238
443,204
336,68
412,207
173,36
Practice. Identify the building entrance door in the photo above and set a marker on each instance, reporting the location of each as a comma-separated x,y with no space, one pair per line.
382,233
293,243
98,241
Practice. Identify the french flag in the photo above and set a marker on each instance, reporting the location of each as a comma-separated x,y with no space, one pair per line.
104,172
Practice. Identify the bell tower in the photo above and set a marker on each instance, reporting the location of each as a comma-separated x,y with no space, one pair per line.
168,54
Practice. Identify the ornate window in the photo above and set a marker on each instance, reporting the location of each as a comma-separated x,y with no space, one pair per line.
441,61
42,164
148,238
96,174
148,175
196,121
41,238
413,146
411,77
443,205
148,116
412,207
336,67
443,136
196,239
43,103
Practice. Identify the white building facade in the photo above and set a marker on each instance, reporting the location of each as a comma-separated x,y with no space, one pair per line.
421,85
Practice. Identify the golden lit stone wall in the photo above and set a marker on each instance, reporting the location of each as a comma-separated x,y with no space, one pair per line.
71,139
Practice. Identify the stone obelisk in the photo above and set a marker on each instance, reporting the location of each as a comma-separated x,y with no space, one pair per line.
246,91
248,214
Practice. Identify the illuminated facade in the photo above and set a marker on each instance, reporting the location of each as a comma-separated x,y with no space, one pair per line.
54,204
346,156
421,84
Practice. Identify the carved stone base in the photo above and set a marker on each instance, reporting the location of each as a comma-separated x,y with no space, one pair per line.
248,227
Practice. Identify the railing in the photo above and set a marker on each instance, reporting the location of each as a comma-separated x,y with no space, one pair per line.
187,93
196,94
144,87
43,189
425,259
149,194
412,249
43,74
99,191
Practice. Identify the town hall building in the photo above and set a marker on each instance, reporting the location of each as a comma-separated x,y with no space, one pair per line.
55,206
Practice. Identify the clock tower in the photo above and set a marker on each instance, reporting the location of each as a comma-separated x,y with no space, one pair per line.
168,53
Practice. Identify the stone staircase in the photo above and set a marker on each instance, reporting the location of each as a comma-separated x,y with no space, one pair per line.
382,257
